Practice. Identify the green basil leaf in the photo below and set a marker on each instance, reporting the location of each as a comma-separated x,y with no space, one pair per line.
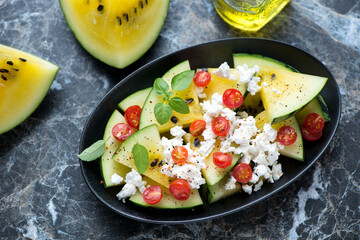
179,105
141,157
93,152
162,113
182,80
168,95
160,86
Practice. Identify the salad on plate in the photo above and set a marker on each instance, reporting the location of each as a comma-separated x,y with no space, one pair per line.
205,134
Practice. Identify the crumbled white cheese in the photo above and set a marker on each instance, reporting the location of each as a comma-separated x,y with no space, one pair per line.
257,186
264,84
276,171
133,180
127,191
178,134
200,92
177,131
248,76
247,188
116,179
224,72
230,184
189,172
276,91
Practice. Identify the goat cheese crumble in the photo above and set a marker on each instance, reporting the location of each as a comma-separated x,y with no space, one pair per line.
133,182
224,72
248,76
116,178
200,92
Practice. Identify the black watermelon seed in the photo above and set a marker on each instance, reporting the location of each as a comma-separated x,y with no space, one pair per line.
189,100
100,8
3,70
260,104
22,59
135,10
141,4
161,163
174,119
119,20
146,1
273,76
197,142
154,162
3,77
16,69
126,16
10,63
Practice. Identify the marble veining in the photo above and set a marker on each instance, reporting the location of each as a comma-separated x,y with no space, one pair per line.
42,192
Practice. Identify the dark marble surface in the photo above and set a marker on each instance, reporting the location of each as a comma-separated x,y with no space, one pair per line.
43,194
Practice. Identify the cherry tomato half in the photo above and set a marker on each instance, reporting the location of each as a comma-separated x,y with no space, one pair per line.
222,160
286,135
152,194
202,78
122,131
179,155
197,127
314,123
232,98
220,126
242,173
308,136
180,189
132,116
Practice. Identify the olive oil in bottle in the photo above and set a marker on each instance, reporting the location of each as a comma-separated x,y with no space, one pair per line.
248,15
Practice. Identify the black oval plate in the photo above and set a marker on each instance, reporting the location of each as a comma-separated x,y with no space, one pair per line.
210,54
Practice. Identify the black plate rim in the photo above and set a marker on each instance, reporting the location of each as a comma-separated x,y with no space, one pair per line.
223,40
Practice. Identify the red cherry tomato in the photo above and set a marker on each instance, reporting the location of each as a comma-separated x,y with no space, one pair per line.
132,116
197,127
179,155
286,135
242,173
314,123
152,194
202,78
222,160
308,136
180,189
220,126
122,131
232,98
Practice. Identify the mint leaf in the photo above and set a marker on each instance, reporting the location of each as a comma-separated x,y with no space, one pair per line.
141,157
182,80
162,113
179,105
93,152
160,86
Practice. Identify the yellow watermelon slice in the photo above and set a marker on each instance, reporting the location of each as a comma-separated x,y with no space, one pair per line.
24,81
117,32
